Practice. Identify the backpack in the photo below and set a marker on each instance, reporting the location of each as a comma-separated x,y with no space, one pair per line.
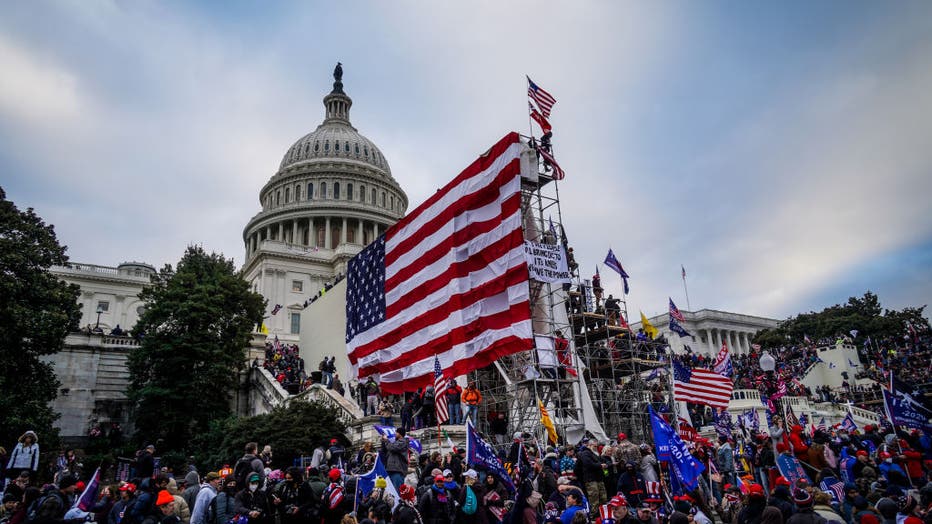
33,513
471,502
242,469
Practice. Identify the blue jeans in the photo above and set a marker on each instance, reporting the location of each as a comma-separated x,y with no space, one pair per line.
387,421
472,412
397,479
456,414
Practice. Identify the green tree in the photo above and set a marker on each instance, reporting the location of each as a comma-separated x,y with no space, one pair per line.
37,310
195,332
292,431
863,314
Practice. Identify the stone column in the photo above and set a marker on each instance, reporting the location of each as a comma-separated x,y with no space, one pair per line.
718,341
327,244
736,349
343,232
747,341
708,342
294,231
281,231
268,232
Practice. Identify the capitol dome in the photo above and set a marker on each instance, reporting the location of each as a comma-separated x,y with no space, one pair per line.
333,194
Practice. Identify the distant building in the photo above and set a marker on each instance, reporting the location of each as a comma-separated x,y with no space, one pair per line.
711,328
111,291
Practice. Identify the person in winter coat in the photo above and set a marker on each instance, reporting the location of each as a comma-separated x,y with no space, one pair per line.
25,456
164,510
56,502
192,482
631,484
205,496
290,496
252,502
182,510
375,507
334,502
782,499
494,498
436,504
804,512
396,457
591,467
470,484
454,393
406,512
823,507
226,501
800,449
472,398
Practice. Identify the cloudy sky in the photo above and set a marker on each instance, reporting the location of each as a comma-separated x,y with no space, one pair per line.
782,152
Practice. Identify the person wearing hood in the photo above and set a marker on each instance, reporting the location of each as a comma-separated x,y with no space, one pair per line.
888,509
205,495
494,498
56,501
192,483
226,501
631,484
25,456
800,449
182,510
251,501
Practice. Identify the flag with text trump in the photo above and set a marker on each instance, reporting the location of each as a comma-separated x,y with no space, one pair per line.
701,386
448,280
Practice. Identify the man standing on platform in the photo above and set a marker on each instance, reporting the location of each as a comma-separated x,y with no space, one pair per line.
472,398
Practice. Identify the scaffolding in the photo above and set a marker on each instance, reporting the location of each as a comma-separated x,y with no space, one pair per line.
610,391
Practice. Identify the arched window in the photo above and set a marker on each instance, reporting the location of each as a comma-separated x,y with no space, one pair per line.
323,190
391,201
373,196
336,146
297,193
336,190
287,195
326,145
366,150
349,192
346,147
357,148
362,193
310,191
316,146
383,198
278,198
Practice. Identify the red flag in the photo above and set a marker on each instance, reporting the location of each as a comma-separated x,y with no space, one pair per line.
540,119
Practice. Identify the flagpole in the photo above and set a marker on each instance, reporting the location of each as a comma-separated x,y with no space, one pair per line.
685,289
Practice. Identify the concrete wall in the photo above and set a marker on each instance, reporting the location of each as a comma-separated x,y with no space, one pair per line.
323,332
835,360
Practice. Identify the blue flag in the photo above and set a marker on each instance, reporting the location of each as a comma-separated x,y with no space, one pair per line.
903,410
366,483
722,422
613,263
671,448
678,329
848,423
481,454
803,420
389,433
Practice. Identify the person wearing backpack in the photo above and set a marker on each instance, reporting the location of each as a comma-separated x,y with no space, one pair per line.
469,508
143,504
51,506
201,513
249,463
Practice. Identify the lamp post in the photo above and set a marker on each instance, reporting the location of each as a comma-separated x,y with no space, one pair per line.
100,309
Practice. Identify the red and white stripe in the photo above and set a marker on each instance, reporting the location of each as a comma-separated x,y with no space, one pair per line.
704,387
456,280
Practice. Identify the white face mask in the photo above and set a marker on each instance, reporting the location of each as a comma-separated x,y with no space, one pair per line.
253,487
888,461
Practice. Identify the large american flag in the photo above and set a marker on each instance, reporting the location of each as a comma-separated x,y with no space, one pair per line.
558,173
448,280
701,386
544,99
723,364
675,311
440,393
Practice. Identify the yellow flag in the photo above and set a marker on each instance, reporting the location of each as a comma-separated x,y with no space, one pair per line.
547,423
264,329
648,327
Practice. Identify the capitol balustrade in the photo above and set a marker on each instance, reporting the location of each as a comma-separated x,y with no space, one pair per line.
99,340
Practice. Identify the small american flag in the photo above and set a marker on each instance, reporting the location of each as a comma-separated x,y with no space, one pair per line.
440,396
675,312
701,386
276,309
544,99
834,487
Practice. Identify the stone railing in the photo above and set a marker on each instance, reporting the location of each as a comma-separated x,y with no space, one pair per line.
346,409
120,341
93,268
92,340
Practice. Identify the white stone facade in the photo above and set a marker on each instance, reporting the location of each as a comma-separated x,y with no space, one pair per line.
711,328
332,194
115,290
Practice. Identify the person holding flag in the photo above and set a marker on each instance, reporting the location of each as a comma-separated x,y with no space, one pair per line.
396,457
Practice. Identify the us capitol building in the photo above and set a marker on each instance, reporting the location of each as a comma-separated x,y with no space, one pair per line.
332,194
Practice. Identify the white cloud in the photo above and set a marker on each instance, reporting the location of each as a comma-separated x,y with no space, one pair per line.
35,90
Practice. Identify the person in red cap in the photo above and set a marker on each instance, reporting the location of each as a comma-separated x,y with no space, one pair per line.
782,499
165,503
405,512
335,504
335,454
754,507
626,451
436,504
